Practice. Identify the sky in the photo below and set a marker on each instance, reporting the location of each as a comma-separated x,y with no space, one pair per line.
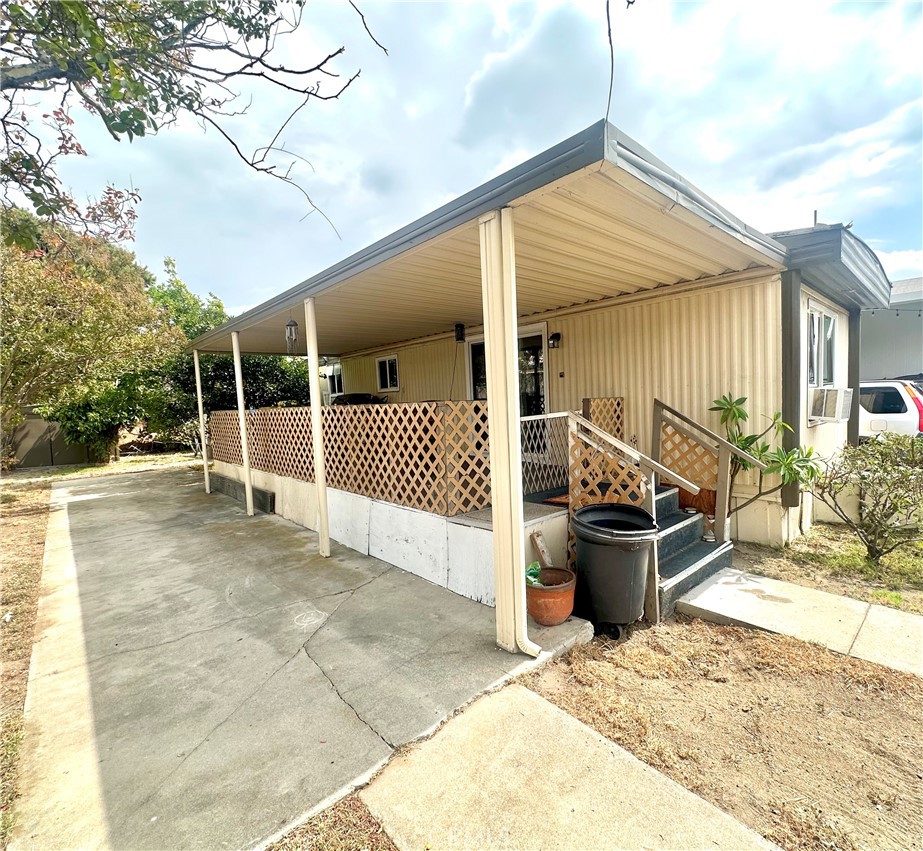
774,109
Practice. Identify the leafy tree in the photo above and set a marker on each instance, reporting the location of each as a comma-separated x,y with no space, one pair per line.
886,474
795,465
168,394
76,317
138,65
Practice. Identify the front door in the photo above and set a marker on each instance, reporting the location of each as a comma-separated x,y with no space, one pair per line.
531,374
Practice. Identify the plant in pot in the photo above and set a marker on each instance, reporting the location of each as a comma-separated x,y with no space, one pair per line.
549,593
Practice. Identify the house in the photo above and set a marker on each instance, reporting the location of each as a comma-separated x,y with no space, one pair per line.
892,338
562,329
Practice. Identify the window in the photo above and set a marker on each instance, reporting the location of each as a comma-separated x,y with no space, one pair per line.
335,380
821,348
387,374
882,400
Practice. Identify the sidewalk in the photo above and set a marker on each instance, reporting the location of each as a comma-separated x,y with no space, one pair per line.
867,631
514,771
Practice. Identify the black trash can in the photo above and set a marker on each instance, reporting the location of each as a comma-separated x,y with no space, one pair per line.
613,547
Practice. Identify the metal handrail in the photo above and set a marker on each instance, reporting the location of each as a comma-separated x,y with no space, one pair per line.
722,443
633,453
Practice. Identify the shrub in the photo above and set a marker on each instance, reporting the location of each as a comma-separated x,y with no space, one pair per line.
886,474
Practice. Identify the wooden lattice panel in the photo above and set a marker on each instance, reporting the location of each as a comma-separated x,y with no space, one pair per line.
599,477
280,442
467,456
608,414
224,437
395,453
544,454
688,458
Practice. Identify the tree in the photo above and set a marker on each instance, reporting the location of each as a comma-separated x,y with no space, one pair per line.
886,475
138,65
76,317
167,395
795,465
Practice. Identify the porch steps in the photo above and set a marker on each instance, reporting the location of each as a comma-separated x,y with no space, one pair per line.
685,560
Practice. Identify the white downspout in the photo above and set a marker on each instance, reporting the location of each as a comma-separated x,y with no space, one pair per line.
242,419
198,393
501,344
317,429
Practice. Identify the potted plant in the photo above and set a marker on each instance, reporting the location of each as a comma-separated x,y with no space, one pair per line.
549,593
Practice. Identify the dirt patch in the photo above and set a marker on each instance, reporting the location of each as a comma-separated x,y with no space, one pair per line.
830,558
346,826
23,520
811,749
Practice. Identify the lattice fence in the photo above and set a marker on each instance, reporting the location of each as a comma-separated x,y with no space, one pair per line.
688,457
544,454
608,414
431,456
597,476
224,437
279,440
395,453
467,453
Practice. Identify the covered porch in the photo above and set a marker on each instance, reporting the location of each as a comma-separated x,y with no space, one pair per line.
593,222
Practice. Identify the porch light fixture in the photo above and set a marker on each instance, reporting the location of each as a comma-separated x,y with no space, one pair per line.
459,332
554,340
291,336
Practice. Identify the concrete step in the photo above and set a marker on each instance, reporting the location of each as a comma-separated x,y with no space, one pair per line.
690,567
677,532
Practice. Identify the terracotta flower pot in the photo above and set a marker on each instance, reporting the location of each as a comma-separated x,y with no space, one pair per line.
552,602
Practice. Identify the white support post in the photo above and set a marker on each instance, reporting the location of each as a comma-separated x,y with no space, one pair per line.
242,419
501,343
317,429
198,393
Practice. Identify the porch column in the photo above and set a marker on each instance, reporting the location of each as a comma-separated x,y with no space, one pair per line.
198,394
853,359
792,379
498,289
317,429
242,419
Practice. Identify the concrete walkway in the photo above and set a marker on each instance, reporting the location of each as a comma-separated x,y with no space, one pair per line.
867,631
514,771
201,678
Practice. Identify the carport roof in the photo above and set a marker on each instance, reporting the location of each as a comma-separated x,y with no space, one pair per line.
598,216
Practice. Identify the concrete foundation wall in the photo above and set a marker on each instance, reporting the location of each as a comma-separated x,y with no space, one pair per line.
440,549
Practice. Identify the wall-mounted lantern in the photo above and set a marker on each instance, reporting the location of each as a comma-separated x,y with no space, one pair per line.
554,341
459,332
291,336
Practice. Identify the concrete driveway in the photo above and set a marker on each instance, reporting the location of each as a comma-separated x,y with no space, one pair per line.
201,678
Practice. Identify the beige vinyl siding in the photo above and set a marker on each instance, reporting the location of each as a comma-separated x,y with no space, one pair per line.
424,372
687,349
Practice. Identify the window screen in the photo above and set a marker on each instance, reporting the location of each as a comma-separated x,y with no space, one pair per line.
387,374
882,400
829,347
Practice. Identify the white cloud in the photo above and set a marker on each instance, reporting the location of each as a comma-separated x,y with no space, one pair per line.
744,99
902,264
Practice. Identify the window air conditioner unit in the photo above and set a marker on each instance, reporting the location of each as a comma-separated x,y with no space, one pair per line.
831,404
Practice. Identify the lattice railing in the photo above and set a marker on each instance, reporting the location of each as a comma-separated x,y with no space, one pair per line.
432,456
467,452
599,473
607,413
224,437
544,453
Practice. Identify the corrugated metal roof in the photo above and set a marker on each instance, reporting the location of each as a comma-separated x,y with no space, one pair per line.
596,215
835,262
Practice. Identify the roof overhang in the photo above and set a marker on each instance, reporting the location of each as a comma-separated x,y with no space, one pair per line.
839,265
596,216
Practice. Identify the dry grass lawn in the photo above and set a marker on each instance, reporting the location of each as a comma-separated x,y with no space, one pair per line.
812,749
126,464
832,559
23,519
346,826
